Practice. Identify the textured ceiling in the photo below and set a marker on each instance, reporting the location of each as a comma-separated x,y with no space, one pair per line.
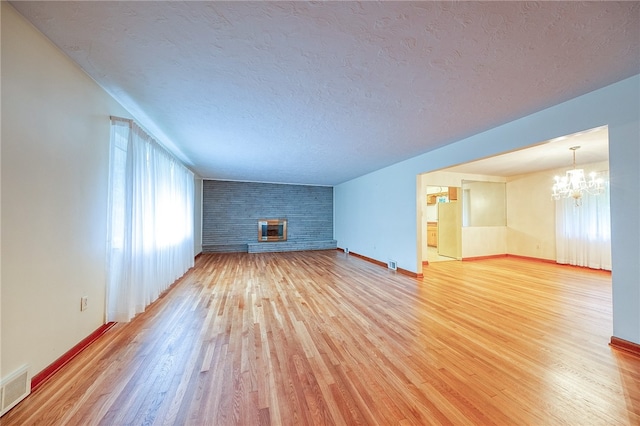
322,92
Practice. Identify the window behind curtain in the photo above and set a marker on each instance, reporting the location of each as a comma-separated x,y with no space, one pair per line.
583,233
150,236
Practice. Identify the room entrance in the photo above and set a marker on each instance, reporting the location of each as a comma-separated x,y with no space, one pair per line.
442,222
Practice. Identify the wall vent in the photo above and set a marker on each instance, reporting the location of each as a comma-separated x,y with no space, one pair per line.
393,265
14,389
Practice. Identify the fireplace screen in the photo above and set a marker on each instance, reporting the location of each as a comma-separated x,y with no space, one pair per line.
272,230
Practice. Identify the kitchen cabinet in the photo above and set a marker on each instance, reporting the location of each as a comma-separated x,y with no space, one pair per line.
453,193
432,234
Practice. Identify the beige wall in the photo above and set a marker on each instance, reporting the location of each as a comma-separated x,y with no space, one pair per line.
444,178
54,174
478,241
486,203
531,226
531,229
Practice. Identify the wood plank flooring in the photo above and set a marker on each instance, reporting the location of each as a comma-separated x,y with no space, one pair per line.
314,338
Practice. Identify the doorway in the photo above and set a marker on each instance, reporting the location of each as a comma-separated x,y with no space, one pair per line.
526,177
442,222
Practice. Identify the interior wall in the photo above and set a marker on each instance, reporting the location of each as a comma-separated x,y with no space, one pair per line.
375,214
531,217
478,241
54,178
444,178
486,203
421,220
385,199
231,211
624,167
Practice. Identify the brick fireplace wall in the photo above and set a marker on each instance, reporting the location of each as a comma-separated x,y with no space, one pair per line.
230,213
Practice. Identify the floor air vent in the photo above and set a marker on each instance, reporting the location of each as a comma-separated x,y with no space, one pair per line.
392,265
14,389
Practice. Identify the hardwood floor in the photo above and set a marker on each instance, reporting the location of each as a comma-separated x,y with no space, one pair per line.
323,338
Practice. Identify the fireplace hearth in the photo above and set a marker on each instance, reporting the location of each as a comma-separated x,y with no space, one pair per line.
272,230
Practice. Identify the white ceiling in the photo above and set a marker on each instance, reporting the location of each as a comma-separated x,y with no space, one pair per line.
322,92
593,148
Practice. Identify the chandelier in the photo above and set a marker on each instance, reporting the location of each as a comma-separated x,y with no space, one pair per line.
574,183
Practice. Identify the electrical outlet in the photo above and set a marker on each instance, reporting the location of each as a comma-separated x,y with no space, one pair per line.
84,300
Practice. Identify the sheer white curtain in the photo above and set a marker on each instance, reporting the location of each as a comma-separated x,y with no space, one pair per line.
150,236
583,233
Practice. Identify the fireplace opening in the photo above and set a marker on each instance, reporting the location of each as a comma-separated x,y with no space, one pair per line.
272,230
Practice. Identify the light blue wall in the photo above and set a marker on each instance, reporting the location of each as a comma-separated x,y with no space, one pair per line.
375,214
